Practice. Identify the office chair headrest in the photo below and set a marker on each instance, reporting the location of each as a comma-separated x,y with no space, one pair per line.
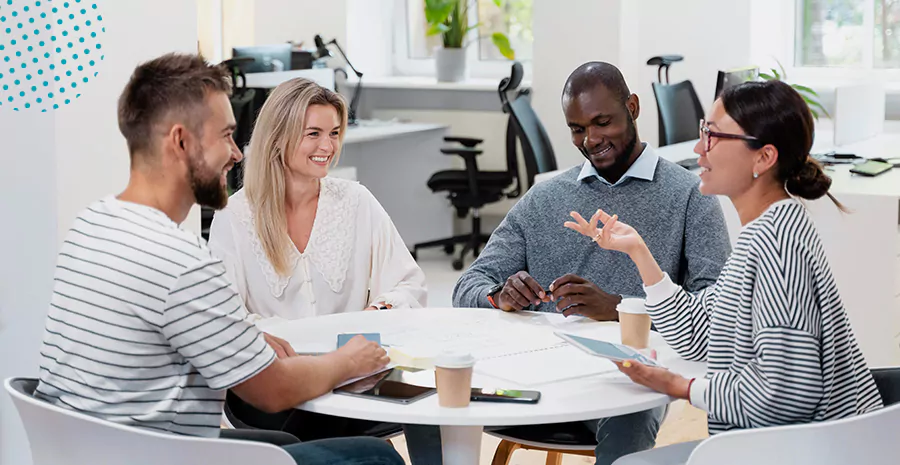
238,62
514,79
664,60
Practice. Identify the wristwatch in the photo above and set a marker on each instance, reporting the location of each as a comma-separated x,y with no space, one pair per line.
492,291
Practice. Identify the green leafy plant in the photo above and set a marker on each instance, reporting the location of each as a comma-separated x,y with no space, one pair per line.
450,19
809,95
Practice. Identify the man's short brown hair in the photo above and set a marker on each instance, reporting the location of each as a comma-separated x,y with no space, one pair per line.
171,85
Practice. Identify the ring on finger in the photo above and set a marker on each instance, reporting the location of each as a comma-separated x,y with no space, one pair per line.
596,237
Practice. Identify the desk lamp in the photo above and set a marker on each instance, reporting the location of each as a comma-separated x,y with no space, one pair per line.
322,52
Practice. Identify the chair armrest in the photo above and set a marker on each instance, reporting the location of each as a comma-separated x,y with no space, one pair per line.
461,151
467,141
468,154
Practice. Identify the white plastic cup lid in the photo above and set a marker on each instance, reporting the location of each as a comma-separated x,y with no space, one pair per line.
454,360
632,305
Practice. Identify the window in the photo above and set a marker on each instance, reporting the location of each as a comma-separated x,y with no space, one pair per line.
860,34
512,19
414,49
221,25
209,30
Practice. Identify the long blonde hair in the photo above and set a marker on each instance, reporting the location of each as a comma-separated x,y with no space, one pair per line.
278,130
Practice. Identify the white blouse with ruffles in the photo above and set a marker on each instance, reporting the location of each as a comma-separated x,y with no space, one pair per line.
355,258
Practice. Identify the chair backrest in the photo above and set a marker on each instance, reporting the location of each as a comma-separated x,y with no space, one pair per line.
63,436
869,438
524,126
536,149
679,112
242,107
888,382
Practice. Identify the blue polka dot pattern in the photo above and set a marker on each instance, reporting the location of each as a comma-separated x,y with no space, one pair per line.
73,62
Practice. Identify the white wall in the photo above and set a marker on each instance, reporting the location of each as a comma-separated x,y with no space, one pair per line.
566,35
279,21
55,164
369,36
712,35
97,165
27,258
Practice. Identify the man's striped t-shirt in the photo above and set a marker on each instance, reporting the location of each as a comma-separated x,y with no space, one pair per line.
144,327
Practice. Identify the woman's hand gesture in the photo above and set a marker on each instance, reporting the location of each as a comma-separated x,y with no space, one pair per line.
614,235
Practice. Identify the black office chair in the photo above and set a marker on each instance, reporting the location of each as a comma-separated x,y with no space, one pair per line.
244,106
679,107
241,416
472,189
888,382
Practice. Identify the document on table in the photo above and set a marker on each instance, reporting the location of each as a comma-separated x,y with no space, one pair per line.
516,352
558,363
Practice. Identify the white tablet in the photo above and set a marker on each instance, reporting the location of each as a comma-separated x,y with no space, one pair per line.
608,350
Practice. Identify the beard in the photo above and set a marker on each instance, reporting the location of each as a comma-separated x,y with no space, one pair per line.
620,164
206,184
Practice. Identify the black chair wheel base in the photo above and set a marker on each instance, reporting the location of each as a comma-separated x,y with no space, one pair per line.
449,248
457,264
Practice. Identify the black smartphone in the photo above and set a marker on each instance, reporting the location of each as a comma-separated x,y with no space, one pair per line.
871,168
505,395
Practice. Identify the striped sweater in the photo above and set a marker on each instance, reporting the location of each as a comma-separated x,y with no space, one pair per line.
773,329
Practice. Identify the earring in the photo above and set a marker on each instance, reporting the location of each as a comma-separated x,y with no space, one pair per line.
755,175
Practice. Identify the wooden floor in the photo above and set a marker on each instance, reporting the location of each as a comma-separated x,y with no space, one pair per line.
684,423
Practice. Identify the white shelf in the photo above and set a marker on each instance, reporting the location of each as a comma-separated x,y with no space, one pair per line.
429,83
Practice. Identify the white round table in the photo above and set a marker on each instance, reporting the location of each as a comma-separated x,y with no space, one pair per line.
598,396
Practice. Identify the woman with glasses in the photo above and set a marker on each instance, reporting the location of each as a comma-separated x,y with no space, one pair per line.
773,329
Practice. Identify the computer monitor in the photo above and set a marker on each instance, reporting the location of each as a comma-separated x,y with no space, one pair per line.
265,57
734,77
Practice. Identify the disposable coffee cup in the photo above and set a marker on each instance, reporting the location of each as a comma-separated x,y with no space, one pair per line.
634,322
453,377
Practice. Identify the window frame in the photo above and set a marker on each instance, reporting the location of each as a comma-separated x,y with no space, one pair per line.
216,37
404,65
866,70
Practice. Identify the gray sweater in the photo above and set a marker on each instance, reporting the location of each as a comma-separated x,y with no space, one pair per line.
684,230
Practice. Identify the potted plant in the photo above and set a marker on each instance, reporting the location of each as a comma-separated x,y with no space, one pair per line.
450,19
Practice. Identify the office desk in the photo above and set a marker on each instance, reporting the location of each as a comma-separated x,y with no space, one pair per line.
843,182
394,160
862,247
597,396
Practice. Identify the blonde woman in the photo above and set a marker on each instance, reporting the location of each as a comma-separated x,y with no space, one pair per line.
297,244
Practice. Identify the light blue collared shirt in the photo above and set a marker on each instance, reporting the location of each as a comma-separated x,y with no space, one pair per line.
642,168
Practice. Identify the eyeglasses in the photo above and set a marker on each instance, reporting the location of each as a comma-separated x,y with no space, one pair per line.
706,135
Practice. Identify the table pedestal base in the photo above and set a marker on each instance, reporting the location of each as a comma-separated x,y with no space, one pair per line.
461,445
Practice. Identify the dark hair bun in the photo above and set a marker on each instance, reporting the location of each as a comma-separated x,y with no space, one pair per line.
810,181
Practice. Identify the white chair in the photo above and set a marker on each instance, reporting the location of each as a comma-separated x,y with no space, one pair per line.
870,439
60,436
